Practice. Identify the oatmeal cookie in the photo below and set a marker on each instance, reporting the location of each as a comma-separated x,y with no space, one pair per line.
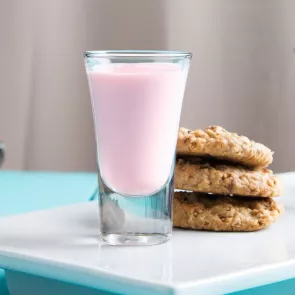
199,175
223,213
217,142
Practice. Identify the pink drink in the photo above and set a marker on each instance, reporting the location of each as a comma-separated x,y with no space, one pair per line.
137,109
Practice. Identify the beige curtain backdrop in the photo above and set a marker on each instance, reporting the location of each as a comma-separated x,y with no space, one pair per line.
242,74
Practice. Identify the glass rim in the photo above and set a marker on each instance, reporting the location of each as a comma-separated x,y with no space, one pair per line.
137,53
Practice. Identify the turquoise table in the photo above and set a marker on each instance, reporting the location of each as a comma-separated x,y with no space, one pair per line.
22,192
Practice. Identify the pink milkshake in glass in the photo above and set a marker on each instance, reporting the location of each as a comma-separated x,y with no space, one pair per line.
136,101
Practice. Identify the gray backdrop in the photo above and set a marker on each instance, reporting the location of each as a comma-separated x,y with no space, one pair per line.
242,75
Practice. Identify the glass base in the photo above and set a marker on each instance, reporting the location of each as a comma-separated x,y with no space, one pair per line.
135,220
131,239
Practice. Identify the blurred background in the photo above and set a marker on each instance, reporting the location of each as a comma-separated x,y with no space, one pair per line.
242,75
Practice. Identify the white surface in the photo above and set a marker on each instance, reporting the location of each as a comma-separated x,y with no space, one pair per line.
63,244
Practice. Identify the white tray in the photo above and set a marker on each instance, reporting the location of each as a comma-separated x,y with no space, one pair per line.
62,244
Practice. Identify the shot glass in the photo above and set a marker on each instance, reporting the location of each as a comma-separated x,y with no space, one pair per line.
136,101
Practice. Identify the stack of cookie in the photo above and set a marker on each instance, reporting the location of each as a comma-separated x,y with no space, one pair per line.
230,188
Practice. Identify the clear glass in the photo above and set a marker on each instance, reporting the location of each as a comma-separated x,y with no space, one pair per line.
1,153
136,101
